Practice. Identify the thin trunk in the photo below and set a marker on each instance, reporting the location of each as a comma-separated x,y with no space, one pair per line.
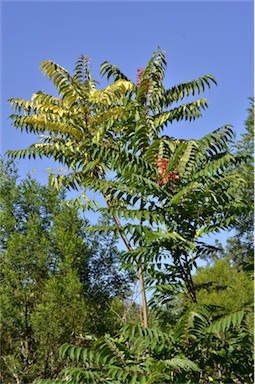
144,299
27,333
191,284
188,281
220,374
140,272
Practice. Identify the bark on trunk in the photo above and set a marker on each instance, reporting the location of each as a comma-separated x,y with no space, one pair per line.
140,272
27,333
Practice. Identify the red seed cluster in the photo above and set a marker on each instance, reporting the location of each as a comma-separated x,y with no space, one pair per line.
139,74
138,80
162,167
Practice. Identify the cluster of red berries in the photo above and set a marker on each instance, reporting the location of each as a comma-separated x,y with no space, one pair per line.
162,167
138,80
139,74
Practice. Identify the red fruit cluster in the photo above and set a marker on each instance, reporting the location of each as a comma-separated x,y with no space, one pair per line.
173,175
162,167
139,74
138,80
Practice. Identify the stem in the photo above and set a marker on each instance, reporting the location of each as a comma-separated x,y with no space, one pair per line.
144,299
220,374
140,271
27,336
188,282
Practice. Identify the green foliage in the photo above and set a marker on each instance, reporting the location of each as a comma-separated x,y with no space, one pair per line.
57,281
223,349
132,357
244,225
244,236
115,114
197,349
224,286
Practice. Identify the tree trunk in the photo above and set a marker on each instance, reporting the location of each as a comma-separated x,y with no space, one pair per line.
140,272
27,332
144,299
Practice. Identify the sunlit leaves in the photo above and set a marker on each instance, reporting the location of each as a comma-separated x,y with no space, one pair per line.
167,192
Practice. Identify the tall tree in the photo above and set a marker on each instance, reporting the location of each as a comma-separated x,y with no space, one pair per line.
47,275
111,141
223,286
239,248
244,229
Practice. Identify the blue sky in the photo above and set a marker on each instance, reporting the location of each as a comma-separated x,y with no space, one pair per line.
199,38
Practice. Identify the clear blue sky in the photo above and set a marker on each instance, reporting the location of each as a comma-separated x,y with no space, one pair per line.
199,38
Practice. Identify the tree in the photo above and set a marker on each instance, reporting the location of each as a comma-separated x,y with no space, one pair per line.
110,141
246,146
48,272
168,194
223,286
244,228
